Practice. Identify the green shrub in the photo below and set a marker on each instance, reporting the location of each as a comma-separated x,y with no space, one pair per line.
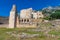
55,15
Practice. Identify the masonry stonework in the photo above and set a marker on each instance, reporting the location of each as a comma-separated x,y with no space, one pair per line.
27,18
13,17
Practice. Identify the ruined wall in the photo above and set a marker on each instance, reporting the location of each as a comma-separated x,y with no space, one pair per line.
13,17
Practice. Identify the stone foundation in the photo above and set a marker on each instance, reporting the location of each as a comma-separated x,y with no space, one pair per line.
26,26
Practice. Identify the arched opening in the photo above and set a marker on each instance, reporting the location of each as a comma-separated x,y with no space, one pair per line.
27,20
24,20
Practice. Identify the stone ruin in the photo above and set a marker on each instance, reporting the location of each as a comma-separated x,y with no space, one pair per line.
27,18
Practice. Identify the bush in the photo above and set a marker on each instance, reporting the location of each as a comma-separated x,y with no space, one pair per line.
48,18
55,15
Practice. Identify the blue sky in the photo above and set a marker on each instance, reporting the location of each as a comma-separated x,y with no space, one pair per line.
6,5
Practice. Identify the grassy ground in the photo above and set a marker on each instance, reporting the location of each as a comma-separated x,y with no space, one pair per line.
45,27
4,36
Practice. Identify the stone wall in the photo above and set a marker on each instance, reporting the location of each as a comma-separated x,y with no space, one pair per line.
25,13
26,26
13,17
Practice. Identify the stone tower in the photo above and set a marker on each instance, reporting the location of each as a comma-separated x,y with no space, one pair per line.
13,17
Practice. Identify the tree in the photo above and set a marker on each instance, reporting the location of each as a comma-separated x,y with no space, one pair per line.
55,15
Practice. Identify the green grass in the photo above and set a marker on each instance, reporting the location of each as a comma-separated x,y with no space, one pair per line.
5,36
54,32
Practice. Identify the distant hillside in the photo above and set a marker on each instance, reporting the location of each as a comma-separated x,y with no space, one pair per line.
4,20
